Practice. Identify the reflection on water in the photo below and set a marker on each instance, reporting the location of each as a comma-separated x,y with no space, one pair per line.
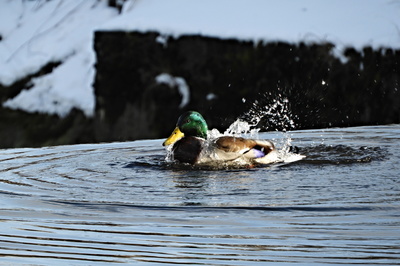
119,203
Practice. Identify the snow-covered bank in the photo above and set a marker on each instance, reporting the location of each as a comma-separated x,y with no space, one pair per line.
354,23
34,33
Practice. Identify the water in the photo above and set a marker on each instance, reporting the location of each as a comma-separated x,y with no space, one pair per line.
122,203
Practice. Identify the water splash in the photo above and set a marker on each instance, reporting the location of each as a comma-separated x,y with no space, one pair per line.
263,115
169,158
269,112
242,128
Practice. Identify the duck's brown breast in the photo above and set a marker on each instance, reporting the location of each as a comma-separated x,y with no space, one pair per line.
188,149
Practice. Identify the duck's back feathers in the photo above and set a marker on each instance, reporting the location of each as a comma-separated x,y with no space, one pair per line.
243,146
231,148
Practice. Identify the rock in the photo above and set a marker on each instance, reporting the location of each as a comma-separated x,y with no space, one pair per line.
322,91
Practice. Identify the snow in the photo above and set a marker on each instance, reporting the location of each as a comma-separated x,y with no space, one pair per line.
178,82
346,23
68,86
211,96
34,33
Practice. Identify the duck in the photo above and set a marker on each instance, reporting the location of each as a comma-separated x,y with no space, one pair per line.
191,144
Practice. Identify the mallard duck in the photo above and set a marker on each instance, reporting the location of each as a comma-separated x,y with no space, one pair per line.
190,144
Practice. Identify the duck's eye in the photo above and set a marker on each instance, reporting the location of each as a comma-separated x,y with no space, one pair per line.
187,121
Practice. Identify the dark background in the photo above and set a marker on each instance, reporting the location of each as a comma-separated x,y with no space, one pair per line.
322,90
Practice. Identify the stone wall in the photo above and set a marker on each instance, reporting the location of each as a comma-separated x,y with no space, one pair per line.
322,90
226,78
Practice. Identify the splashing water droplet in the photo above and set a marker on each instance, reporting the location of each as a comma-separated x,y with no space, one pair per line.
265,114
237,128
274,113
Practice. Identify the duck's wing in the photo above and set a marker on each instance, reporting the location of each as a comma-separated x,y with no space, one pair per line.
235,147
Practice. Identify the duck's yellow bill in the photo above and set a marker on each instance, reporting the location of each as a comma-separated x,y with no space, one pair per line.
175,136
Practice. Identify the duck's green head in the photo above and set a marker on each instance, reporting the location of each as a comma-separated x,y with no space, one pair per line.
189,124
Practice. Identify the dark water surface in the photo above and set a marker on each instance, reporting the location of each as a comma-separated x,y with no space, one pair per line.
121,203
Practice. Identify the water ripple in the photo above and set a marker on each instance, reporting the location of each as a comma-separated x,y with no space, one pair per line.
121,203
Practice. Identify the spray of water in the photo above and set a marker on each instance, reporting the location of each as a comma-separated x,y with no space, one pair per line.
263,115
271,112
266,115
